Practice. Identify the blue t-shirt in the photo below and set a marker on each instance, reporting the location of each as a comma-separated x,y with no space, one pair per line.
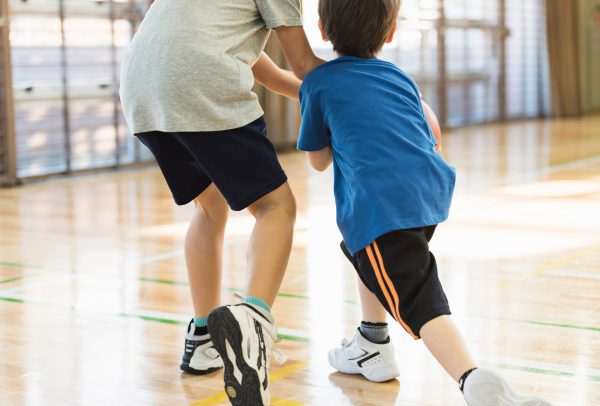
387,174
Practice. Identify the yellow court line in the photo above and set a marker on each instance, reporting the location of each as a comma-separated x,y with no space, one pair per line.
274,377
557,263
285,402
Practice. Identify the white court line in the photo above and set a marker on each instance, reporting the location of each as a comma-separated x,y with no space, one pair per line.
528,176
36,283
160,257
546,366
568,274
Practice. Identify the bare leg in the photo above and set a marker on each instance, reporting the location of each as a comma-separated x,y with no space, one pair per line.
447,345
204,250
271,243
372,310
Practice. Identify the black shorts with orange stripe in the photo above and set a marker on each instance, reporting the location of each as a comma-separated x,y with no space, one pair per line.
401,271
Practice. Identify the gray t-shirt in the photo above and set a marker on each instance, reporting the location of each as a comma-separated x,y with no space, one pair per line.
188,67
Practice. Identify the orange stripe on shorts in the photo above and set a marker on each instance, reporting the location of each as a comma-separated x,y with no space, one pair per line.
393,290
382,284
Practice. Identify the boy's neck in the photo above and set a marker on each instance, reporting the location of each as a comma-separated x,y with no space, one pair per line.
339,55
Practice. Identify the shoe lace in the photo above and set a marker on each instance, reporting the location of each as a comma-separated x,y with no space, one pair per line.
278,355
276,352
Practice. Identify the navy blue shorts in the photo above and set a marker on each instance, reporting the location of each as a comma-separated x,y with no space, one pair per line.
242,163
401,271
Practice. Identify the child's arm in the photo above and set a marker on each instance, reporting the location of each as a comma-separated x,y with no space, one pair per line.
278,80
321,159
297,50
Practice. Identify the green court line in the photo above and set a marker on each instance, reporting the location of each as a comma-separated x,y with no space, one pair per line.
532,370
164,281
183,283
286,337
545,371
28,266
152,280
17,265
287,295
294,338
9,280
9,299
155,319
548,324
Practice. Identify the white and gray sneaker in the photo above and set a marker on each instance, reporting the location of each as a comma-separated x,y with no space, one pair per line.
199,356
486,388
245,337
357,355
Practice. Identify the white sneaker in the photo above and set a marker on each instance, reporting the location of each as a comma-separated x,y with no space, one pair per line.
357,355
199,356
245,336
486,388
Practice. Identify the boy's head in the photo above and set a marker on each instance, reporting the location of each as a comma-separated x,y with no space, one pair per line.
358,27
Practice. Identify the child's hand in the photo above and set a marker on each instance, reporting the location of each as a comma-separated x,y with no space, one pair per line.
278,80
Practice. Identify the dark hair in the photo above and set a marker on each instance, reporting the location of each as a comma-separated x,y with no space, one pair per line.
358,27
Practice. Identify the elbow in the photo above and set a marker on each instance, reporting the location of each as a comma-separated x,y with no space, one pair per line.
300,72
306,67
320,167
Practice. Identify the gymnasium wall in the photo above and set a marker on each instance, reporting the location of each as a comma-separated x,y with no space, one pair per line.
476,61
589,45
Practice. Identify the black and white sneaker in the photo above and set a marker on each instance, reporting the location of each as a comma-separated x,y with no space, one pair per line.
199,356
245,336
357,355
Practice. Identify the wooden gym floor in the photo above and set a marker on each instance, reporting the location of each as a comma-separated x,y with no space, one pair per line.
94,302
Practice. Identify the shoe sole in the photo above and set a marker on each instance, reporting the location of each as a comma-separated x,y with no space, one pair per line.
379,374
223,327
190,370
506,396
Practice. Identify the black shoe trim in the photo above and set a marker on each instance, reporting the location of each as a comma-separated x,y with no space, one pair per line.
190,370
365,359
463,378
386,341
190,348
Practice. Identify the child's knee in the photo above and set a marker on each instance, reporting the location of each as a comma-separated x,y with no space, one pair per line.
281,200
215,211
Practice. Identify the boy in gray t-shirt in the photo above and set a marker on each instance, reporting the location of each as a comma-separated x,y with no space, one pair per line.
186,90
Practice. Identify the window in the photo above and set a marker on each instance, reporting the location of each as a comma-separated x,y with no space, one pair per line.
66,58
491,64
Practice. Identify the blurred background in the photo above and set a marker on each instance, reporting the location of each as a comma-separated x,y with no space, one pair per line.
476,61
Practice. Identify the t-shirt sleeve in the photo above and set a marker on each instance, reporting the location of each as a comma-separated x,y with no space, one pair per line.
314,134
280,13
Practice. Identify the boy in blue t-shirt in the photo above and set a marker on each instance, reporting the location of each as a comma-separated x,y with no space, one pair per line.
391,189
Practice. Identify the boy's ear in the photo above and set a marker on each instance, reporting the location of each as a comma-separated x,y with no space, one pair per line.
390,36
323,34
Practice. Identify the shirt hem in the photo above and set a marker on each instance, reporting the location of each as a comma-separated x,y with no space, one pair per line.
188,128
429,221
286,23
